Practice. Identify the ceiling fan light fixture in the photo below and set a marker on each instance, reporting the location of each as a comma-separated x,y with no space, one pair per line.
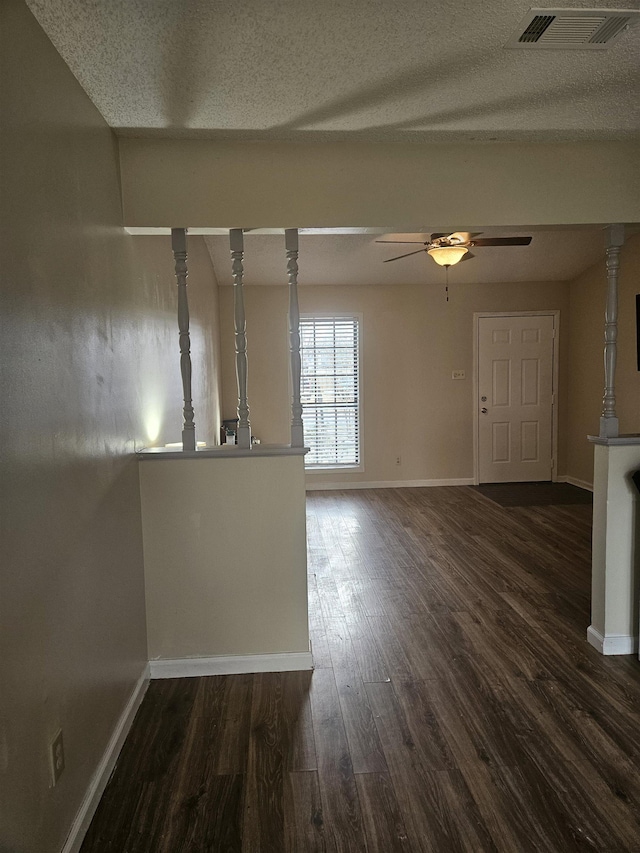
447,256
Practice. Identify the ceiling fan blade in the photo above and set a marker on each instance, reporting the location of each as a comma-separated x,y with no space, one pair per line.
461,238
400,242
404,256
502,241
466,257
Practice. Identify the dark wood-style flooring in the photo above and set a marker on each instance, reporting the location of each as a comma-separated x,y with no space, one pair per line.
455,704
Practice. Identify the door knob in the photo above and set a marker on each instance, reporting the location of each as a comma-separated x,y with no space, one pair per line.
483,410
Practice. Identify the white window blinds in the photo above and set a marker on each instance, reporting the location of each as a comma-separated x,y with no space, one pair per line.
330,390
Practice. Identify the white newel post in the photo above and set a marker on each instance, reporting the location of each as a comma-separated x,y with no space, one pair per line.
609,424
291,245
179,246
236,241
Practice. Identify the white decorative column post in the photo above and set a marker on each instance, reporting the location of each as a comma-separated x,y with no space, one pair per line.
609,425
179,246
236,241
291,245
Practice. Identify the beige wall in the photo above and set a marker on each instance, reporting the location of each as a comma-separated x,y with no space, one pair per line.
222,184
412,339
585,356
87,341
225,556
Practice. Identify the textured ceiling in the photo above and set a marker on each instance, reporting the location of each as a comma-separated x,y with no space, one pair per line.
340,69
556,255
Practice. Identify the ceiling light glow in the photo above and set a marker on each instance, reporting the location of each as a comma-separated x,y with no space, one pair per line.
447,256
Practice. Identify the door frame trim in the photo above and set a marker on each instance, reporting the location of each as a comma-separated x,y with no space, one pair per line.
477,316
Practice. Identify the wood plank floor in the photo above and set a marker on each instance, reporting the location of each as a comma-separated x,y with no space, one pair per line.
455,704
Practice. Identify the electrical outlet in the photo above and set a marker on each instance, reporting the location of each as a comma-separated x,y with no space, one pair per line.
458,374
56,757
398,460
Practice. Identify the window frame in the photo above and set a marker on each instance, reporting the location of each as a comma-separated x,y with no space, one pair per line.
358,317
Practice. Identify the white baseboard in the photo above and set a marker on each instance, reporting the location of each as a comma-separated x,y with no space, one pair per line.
573,481
612,644
105,767
389,484
230,665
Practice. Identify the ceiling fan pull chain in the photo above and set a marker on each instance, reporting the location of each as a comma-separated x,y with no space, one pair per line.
446,275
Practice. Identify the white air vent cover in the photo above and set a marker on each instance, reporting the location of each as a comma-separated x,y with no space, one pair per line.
572,29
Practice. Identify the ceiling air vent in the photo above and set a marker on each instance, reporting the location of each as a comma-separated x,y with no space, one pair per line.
572,29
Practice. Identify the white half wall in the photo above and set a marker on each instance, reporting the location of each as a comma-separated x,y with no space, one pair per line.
224,556
616,549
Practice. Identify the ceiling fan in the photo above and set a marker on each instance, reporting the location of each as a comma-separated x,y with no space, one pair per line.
450,249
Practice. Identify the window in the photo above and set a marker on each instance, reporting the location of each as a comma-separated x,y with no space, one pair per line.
330,391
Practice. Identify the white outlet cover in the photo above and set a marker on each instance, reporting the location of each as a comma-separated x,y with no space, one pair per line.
458,374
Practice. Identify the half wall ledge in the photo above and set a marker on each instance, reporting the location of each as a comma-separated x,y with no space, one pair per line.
222,451
627,438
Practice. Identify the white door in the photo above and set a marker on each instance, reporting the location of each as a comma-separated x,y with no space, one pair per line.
515,398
